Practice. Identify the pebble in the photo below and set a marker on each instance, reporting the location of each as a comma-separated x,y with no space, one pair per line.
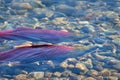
92,73
37,3
64,64
21,77
116,40
48,74
84,22
60,20
105,72
82,67
50,63
90,78
117,66
89,63
65,9
22,6
66,73
113,78
71,66
36,75
57,74
116,74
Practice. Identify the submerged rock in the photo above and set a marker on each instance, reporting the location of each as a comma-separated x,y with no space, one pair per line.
21,6
48,74
82,67
57,74
90,78
21,77
36,75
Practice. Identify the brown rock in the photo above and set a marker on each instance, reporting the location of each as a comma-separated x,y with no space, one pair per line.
21,77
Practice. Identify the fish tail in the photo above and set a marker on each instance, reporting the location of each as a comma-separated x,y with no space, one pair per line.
1,33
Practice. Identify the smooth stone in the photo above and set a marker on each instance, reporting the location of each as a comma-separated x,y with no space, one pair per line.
116,40
21,77
84,22
92,73
116,74
21,6
49,13
71,60
89,63
64,64
66,73
90,78
65,9
26,6
57,74
51,64
117,66
37,3
19,12
113,78
60,20
105,72
99,78
81,66
48,74
71,66
36,75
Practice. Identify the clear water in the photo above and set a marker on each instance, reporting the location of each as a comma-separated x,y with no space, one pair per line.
95,22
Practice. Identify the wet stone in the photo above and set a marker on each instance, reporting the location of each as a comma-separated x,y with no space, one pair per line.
105,72
66,73
48,74
57,74
21,77
21,6
90,78
82,67
36,75
92,73
66,9
36,4
64,64
117,66
89,63
113,78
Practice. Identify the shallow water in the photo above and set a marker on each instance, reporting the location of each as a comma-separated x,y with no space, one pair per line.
96,25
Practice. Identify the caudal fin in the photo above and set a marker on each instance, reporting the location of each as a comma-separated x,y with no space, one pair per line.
1,33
